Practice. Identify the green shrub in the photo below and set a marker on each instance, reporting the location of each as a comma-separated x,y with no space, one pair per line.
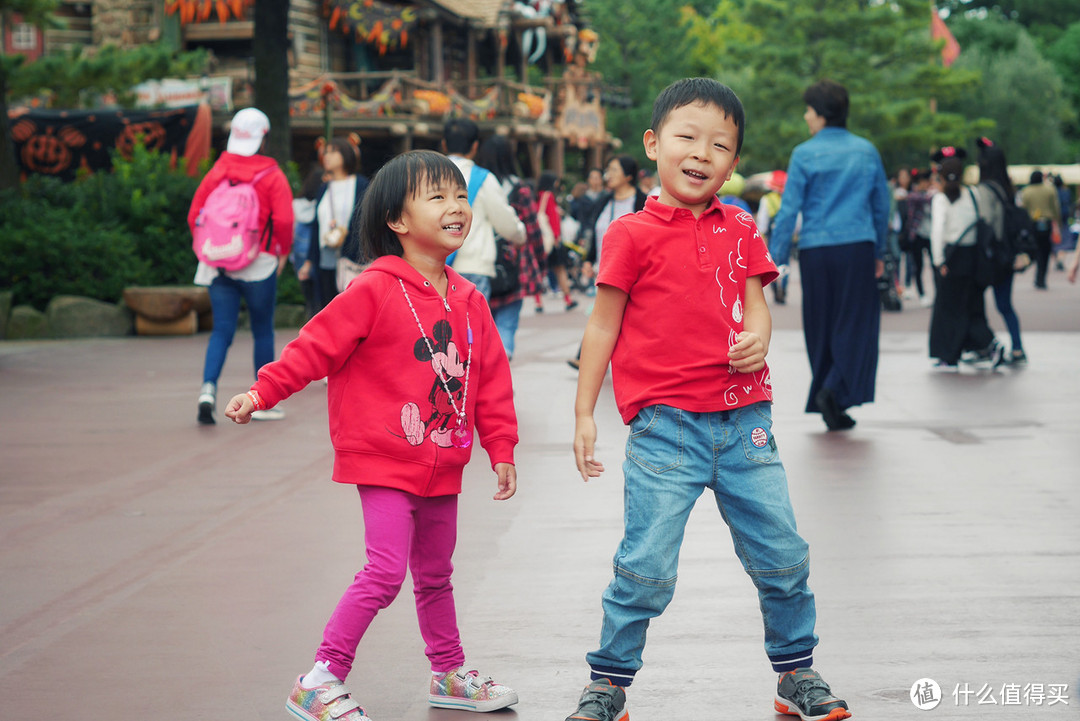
102,233
151,201
47,250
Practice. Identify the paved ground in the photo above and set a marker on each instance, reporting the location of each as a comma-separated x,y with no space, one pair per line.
154,569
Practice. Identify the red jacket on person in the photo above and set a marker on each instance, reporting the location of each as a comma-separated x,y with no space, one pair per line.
275,195
390,417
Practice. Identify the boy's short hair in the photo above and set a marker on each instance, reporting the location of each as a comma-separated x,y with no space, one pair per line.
459,134
829,100
703,91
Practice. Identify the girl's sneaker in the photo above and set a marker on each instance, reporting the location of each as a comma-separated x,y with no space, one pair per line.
468,691
207,395
329,702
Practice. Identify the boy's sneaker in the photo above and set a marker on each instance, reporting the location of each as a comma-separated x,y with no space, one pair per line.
469,691
206,403
601,701
329,702
268,414
803,693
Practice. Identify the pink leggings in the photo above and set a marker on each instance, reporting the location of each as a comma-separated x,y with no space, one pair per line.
400,531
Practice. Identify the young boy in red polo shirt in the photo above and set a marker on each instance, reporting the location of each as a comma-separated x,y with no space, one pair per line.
681,316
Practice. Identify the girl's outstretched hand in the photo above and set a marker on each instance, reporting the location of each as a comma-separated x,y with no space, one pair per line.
239,408
507,480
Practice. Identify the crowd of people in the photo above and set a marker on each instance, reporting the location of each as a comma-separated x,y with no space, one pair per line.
453,244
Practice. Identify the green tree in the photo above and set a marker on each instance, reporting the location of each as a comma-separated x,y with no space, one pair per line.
1028,124
77,77
36,12
640,49
769,51
1064,53
1044,19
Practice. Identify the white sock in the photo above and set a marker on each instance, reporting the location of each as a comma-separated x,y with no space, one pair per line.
445,673
318,676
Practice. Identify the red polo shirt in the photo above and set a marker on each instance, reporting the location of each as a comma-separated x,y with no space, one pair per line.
686,282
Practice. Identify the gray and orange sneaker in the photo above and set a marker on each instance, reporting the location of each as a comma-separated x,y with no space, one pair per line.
329,702
601,701
469,691
803,693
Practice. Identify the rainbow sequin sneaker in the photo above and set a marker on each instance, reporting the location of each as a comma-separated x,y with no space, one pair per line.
329,702
468,691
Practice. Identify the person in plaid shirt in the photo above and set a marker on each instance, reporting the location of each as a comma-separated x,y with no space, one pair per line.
495,155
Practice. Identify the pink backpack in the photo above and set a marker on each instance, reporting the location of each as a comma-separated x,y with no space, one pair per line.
227,232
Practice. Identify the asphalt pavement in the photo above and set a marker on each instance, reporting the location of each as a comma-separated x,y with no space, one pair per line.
151,568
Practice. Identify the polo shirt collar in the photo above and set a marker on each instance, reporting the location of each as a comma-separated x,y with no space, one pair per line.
667,213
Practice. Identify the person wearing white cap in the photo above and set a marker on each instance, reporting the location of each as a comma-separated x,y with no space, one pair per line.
255,283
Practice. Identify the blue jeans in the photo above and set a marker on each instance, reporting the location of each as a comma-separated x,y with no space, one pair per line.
482,283
506,321
672,457
225,295
1003,300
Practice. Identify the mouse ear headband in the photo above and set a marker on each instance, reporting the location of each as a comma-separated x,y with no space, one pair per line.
948,152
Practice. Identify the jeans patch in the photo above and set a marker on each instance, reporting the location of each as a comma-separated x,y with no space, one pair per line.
755,428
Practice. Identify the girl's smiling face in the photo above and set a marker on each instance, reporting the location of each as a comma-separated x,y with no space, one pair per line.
696,151
435,219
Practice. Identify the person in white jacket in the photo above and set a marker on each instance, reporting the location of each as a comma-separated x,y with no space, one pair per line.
491,212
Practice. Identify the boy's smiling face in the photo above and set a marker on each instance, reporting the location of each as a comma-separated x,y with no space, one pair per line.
695,154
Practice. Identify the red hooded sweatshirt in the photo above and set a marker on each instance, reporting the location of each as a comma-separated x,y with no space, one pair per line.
390,416
275,195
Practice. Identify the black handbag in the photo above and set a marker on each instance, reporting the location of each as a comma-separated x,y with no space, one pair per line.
507,279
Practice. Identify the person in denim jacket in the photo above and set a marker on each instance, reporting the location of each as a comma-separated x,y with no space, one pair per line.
837,183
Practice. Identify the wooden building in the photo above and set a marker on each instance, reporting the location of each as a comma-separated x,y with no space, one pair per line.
391,71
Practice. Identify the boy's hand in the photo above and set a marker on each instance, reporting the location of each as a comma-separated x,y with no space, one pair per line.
748,353
507,480
584,443
239,408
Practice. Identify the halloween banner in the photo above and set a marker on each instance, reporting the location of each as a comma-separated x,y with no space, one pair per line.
376,23
60,142
323,94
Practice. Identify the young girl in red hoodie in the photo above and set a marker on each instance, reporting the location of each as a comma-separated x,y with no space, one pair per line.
415,366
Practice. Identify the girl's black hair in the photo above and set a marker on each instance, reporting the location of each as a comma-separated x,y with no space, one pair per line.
993,166
350,154
952,177
312,183
701,91
547,181
495,155
384,201
629,167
